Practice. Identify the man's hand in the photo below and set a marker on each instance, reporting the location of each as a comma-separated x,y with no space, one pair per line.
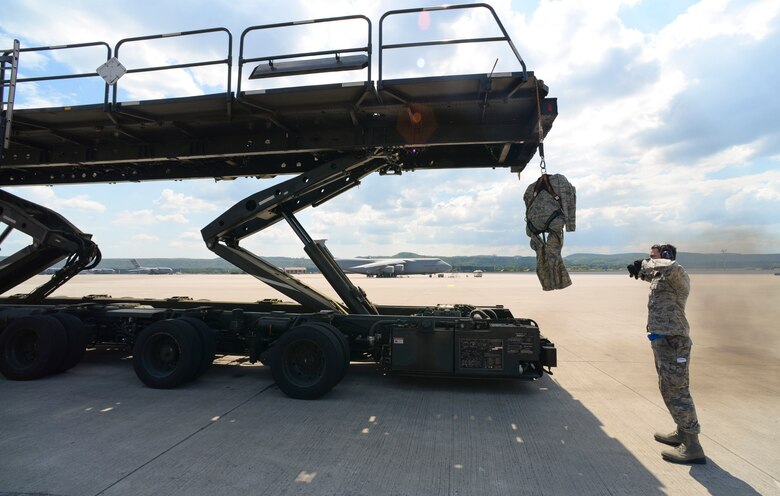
634,269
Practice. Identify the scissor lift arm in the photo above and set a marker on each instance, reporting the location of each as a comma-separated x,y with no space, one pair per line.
269,206
53,239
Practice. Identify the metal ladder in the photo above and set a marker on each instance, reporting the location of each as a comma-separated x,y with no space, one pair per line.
9,62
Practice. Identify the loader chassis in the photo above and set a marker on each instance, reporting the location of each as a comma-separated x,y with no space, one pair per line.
327,137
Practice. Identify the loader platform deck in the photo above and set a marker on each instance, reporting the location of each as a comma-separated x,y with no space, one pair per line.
449,121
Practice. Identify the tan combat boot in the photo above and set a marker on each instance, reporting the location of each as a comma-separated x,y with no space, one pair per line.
672,439
690,451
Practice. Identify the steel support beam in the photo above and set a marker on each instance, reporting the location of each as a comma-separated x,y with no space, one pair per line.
267,207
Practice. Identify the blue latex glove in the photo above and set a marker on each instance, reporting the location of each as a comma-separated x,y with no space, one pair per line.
653,336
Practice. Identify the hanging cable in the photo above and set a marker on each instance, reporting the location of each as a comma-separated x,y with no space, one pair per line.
542,164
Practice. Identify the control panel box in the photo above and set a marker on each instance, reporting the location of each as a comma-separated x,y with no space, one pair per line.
501,349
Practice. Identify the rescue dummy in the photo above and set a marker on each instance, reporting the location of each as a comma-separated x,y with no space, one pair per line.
550,207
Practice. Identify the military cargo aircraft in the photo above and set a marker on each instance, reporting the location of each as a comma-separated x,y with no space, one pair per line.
393,267
137,269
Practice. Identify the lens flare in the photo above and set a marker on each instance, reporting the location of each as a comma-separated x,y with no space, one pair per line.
416,123
424,21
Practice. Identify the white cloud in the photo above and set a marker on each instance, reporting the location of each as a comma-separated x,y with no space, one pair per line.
755,191
760,193
82,202
655,148
147,86
145,237
710,19
190,243
176,218
39,194
191,235
736,156
134,218
175,207
50,198
619,215
146,217
183,204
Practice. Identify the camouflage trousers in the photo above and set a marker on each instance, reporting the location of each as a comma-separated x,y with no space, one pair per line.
550,269
672,361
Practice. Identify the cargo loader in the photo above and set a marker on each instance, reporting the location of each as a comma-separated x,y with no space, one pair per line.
326,137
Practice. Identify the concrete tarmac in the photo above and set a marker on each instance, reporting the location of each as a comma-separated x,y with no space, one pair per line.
588,429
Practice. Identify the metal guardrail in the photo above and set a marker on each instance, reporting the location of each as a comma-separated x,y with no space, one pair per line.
66,76
271,58
303,57
227,61
505,37
7,107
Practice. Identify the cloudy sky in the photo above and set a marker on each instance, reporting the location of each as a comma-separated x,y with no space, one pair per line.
669,127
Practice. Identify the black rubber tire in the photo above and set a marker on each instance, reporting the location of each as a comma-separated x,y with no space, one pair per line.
342,340
490,313
208,341
76,335
167,354
478,314
308,361
31,347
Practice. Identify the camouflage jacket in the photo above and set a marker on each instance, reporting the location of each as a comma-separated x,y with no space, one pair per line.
540,206
669,289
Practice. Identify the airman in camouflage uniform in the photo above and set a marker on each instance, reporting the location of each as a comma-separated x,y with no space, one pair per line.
669,332
548,211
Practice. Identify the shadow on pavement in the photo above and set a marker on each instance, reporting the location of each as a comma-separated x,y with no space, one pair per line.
472,436
719,482
232,430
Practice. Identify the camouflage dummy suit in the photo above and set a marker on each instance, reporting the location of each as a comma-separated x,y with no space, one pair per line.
668,331
550,206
